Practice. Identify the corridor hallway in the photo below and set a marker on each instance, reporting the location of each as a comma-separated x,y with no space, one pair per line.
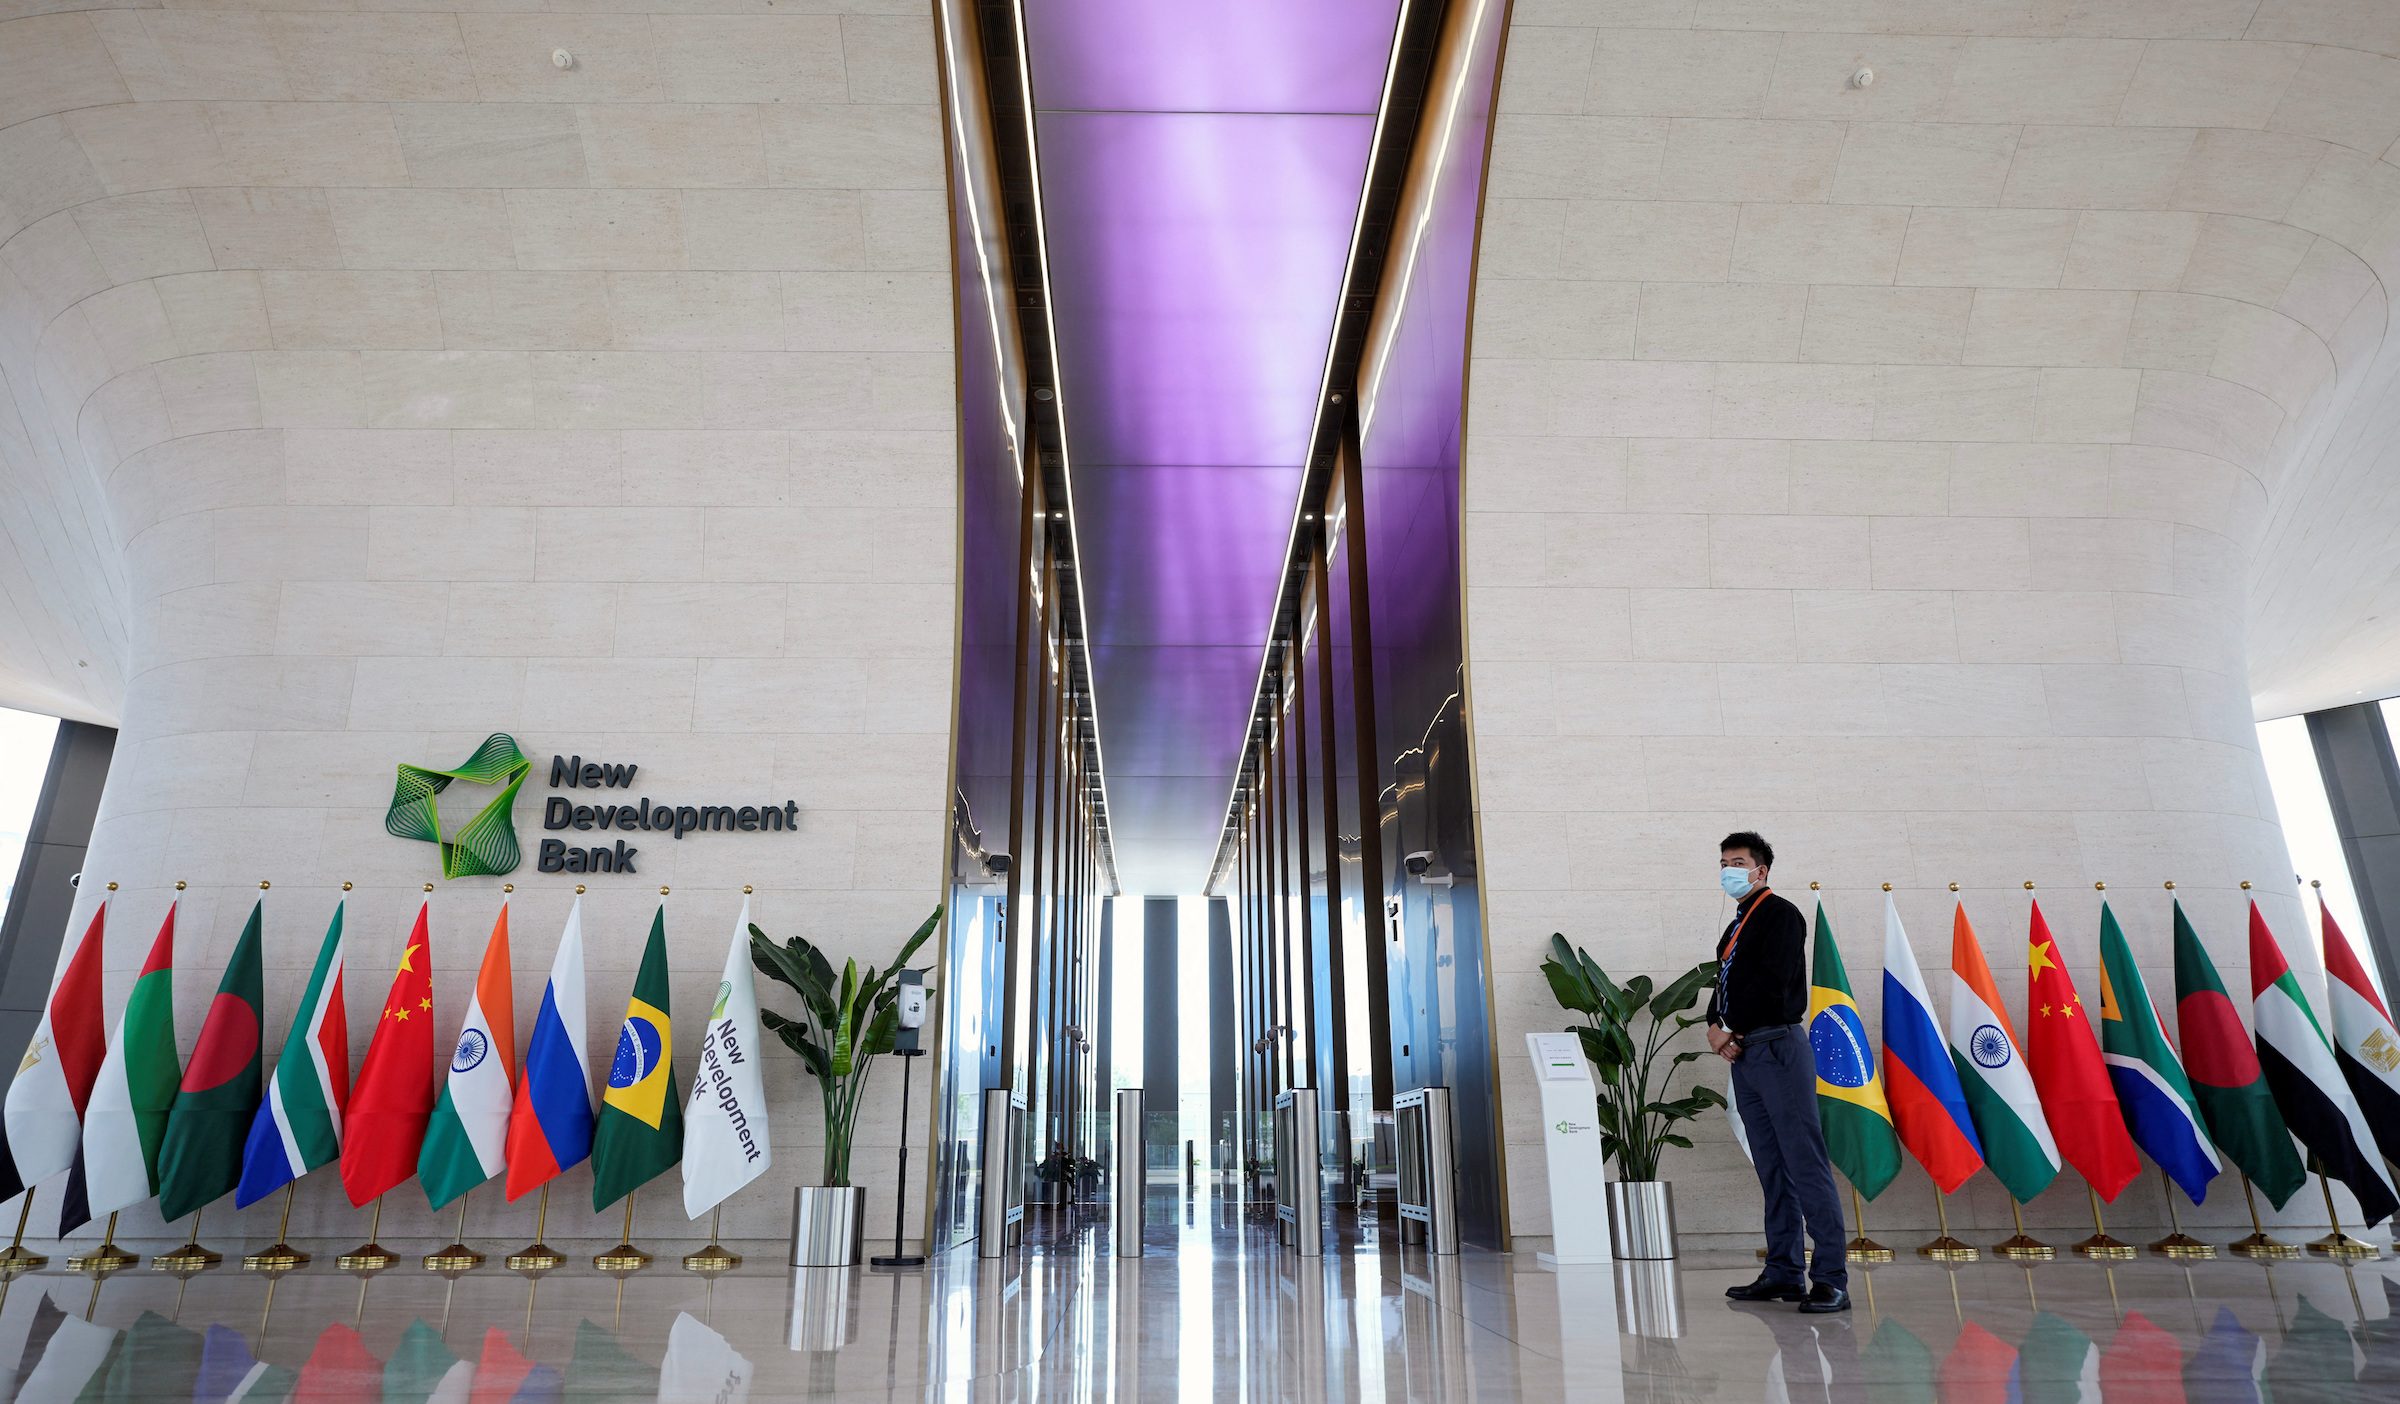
1216,1312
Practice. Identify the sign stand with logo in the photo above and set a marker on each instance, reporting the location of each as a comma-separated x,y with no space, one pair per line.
1571,1146
906,1047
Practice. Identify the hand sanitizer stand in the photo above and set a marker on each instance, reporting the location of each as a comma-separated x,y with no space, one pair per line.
1571,1146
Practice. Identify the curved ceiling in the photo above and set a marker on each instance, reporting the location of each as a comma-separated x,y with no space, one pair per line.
1200,171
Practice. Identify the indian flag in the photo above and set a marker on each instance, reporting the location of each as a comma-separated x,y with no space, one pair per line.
466,1142
1991,1067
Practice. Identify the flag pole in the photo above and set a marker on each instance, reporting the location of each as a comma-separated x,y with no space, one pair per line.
716,1257
1862,1248
2178,1244
1946,1249
2338,1244
458,1257
538,1257
191,1257
106,1258
283,1257
624,1257
2100,1245
2258,1244
2024,1248
20,1258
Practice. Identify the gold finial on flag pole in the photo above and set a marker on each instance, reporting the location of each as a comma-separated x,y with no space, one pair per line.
1887,887
263,884
180,884
1814,886
429,887
2029,884
2100,887
2170,884
746,888
579,889
662,889
345,887
507,887
112,887
1954,887
2245,884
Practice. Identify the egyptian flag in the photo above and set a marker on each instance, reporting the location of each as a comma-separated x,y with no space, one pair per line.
2307,1082
44,1110
2364,1042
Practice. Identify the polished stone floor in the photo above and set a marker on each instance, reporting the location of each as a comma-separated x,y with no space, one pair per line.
1213,1312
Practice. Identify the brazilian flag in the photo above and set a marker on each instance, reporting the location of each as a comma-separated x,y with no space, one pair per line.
640,1134
1850,1105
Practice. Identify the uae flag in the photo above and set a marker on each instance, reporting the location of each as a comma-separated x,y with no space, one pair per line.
394,1098
44,1110
126,1121
2017,1144
2307,1082
202,1156
725,1135
299,1125
640,1132
2234,1100
2159,1107
2065,1055
2364,1042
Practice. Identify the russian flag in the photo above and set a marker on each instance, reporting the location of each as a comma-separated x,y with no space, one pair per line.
550,1124
1929,1108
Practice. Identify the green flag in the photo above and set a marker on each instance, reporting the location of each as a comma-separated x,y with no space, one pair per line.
1898,1367
1850,1104
2057,1362
153,1359
600,1372
201,1158
2152,1088
2225,1075
640,1133
423,1369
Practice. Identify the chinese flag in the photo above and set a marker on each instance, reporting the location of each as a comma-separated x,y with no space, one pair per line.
2063,1051
383,1129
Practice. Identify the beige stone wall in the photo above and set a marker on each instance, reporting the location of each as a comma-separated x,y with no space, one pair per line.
1887,469
374,384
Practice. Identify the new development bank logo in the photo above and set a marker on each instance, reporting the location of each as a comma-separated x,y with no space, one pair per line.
486,846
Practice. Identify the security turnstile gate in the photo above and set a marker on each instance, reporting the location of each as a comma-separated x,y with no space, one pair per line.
1428,1190
1299,1187
1000,1220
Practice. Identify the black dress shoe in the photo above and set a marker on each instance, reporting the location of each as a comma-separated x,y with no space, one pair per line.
1823,1298
1766,1289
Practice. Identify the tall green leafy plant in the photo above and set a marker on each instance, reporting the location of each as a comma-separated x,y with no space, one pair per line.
1626,1027
846,1021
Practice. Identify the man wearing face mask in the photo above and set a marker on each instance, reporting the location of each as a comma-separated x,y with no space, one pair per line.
1756,1021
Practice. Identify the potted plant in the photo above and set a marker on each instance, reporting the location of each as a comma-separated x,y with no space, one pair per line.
1625,1030
1074,1174
846,1020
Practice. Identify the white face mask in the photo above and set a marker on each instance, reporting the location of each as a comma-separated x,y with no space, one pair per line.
1735,881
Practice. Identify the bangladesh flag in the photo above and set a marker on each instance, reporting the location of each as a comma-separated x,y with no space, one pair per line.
641,1119
2159,1108
2231,1087
1850,1105
201,1158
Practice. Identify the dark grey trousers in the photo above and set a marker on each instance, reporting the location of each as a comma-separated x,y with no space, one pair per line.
1775,1086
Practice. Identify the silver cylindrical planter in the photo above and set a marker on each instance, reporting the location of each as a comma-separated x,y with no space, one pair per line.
1650,1299
1641,1218
1131,1179
829,1225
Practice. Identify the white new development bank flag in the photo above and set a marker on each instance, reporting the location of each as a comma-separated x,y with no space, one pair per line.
701,1365
725,1127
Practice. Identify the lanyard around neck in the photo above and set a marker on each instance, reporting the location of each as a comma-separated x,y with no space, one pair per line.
1726,961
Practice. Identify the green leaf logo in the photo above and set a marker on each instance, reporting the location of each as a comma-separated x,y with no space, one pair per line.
487,845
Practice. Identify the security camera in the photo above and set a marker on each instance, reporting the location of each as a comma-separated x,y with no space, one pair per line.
997,864
1419,861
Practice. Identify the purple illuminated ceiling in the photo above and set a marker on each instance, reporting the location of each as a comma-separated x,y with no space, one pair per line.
1200,168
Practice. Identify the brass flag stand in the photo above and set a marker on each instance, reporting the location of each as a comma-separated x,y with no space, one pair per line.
716,1257
2100,1245
458,1257
1946,1249
2338,1244
624,1257
2024,1247
1863,1249
282,1257
20,1258
2258,1245
369,1257
2178,1244
537,1257
106,1258
191,1257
